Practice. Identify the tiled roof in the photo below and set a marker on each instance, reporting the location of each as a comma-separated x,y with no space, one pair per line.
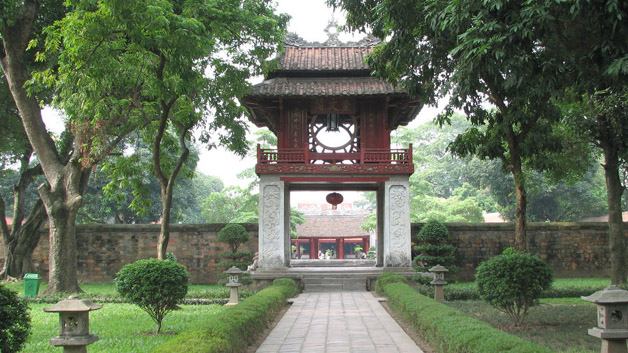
332,226
324,59
328,86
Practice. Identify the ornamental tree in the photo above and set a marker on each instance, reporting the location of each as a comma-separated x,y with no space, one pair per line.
513,282
156,286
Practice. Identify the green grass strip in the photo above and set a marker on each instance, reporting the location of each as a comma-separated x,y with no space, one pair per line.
236,327
448,330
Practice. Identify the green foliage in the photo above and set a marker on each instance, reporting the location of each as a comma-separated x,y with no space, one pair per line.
233,329
154,285
448,330
15,324
388,278
471,52
513,282
234,235
434,248
170,256
372,252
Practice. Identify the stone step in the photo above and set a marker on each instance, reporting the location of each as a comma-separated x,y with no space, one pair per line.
335,287
334,283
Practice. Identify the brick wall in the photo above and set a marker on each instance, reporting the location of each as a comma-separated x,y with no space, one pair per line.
104,249
572,249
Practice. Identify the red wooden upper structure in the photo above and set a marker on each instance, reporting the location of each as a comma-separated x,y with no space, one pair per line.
329,114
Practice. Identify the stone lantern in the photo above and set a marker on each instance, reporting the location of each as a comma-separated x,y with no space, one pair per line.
439,282
74,333
612,318
233,274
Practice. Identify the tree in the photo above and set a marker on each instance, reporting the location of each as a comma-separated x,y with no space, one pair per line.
591,40
88,43
474,51
229,41
123,190
28,212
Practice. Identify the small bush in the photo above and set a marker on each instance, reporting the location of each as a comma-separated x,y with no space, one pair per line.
388,278
156,286
234,235
14,323
513,282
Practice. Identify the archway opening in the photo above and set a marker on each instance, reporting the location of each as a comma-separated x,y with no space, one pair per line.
328,237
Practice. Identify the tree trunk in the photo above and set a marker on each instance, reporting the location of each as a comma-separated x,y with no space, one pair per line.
164,234
616,236
516,168
19,251
521,243
63,271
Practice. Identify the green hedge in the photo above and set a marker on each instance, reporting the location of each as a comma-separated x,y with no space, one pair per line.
448,330
236,327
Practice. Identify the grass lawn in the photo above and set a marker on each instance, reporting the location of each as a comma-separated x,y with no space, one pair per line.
558,323
122,328
108,290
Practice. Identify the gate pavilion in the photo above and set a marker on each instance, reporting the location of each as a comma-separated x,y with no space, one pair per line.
318,91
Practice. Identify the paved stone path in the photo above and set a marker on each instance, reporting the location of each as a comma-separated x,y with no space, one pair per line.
338,322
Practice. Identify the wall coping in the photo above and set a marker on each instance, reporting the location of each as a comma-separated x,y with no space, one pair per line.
253,227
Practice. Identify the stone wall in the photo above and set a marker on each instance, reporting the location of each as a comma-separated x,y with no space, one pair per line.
572,249
104,249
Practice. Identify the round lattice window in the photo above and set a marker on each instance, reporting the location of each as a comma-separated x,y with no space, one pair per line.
333,133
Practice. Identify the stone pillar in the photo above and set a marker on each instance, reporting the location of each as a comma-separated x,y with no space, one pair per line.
396,223
381,205
272,221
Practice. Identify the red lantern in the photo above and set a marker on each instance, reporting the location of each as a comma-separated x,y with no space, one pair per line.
334,199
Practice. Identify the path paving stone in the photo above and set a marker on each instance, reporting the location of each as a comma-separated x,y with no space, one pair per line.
338,322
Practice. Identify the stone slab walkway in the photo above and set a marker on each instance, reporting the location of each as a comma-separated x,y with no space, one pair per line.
338,322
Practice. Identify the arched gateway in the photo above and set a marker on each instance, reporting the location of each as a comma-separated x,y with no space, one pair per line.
333,122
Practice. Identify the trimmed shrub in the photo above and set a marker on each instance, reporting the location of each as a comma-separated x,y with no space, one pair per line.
236,327
433,249
156,286
15,324
234,235
513,282
387,278
448,330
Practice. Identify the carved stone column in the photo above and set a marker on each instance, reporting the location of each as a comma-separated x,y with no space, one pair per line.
397,222
272,231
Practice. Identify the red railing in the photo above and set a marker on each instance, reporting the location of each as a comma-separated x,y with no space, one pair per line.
304,156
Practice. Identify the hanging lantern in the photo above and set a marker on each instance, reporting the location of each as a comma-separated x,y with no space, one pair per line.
334,199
